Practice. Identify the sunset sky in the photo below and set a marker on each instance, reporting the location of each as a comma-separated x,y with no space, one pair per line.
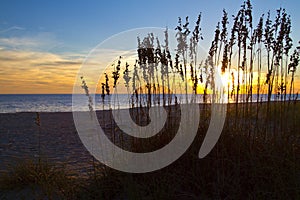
43,43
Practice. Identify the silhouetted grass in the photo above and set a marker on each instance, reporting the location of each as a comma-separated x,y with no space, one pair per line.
248,162
258,153
37,180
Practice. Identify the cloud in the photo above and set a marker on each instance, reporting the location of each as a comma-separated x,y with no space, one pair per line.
43,41
35,63
26,71
37,72
11,29
19,42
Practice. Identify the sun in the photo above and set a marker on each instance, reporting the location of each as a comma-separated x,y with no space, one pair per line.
224,80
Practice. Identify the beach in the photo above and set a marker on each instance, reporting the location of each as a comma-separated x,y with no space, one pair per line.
251,154
59,142
56,139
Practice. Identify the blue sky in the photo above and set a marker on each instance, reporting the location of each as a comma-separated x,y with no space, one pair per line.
80,25
35,34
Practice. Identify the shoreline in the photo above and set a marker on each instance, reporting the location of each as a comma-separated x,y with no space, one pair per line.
172,105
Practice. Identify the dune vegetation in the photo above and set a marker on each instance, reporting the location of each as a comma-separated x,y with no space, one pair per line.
258,153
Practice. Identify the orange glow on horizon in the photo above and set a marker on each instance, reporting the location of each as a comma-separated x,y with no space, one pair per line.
48,73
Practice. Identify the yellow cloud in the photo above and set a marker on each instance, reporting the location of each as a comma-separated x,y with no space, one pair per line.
36,72
27,72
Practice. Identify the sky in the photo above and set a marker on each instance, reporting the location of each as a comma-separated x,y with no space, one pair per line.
43,43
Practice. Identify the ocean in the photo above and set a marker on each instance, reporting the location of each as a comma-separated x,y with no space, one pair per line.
14,103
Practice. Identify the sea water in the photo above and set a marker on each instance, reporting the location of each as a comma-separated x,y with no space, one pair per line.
13,103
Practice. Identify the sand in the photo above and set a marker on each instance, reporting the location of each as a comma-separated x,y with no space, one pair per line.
56,140
59,142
